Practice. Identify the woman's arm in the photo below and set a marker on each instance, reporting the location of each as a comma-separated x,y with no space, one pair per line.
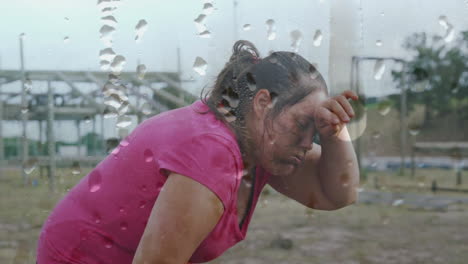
183,215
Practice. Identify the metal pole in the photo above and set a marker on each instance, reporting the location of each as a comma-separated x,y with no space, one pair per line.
103,145
179,74
94,137
2,150
40,148
358,125
78,130
403,128
24,116
51,136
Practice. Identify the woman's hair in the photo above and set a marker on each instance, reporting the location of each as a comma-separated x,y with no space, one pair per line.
286,75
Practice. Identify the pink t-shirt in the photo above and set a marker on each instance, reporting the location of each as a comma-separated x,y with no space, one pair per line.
102,219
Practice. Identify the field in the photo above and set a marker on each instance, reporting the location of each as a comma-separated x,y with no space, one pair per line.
282,231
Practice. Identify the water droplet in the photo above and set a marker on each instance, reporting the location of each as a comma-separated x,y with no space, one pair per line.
87,119
208,8
27,86
317,41
382,14
146,108
200,66
124,108
296,37
124,143
233,102
140,29
108,242
118,63
271,29
384,107
75,169
109,114
141,71
148,155
112,102
30,165
123,226
397,202
379,43
376,135
66,39
121,210
414,129
109,20
22,35
144,188
449,29
67,19
379,69
124,121
104,65
200,23
142,204
106,34
205,34
247,27
96,218
94,181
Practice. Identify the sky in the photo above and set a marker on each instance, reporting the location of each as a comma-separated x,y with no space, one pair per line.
170,25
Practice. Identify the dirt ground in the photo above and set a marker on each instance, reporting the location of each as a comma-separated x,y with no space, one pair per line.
281,231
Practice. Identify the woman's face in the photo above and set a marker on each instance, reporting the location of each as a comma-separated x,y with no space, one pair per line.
289,136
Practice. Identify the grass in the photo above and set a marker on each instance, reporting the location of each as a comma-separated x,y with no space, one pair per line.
355,234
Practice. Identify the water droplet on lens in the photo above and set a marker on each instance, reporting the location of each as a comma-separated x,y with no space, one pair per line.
124,143
414,129
247,27
271,30
199,23
376,134
108,242
148,155
378,43
379,69
142,204
208,8
200,66
30,165
94,181
97,218
107,54
123,226
384,107
118,63
121,210
66,39
146,108
67,19
317,38
124,121
27,86
449,29
205,34
106,34
143,188
140,29
141,71
22,36
397,202
296,37
76,168
109,114
109,20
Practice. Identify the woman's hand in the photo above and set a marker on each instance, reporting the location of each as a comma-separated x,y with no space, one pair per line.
333,113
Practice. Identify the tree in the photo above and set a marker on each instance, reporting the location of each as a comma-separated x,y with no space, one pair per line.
436,75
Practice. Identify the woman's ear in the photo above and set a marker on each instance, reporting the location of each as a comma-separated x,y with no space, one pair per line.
261,101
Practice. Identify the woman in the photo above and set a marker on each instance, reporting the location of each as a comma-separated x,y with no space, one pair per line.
183,185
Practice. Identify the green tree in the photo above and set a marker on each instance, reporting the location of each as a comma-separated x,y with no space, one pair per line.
436,75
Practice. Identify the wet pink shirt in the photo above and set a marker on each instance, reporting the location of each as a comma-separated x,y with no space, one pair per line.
102,219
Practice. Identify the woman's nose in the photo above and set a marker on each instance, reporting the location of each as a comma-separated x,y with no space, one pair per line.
307,141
